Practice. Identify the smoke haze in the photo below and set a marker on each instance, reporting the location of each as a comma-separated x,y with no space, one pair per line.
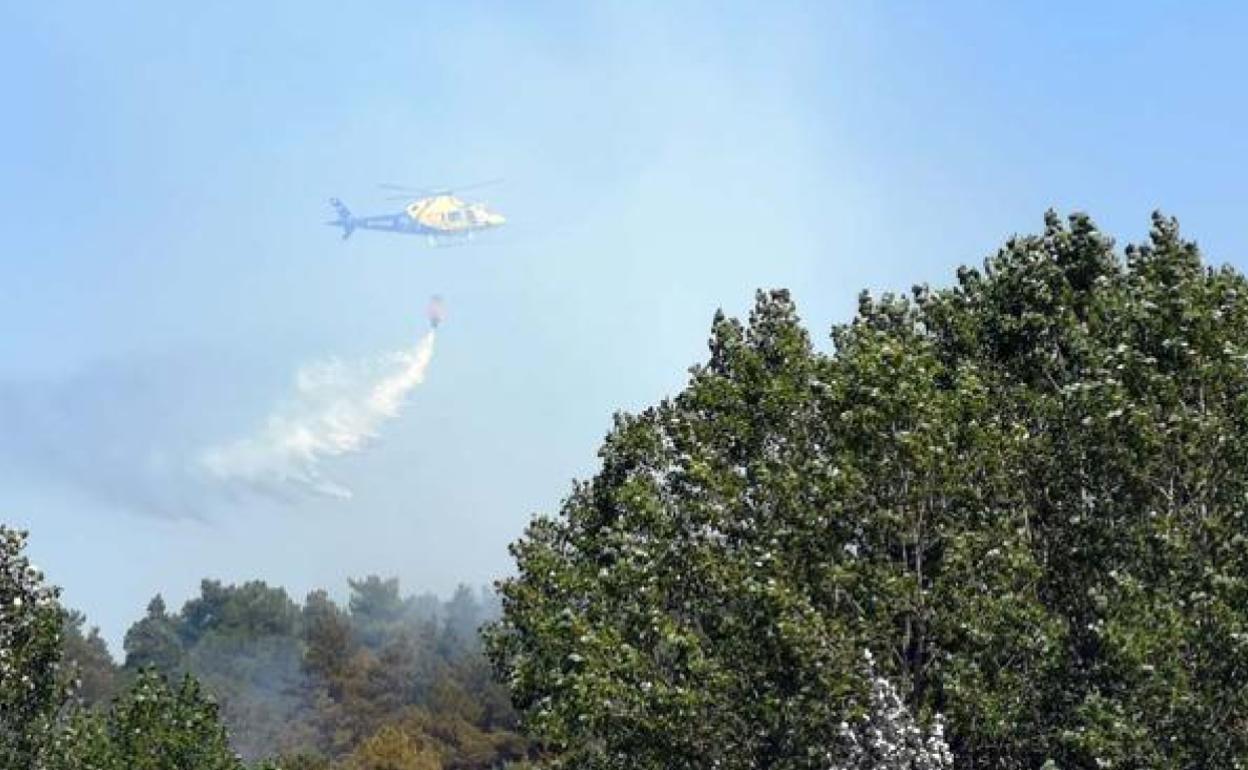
139,435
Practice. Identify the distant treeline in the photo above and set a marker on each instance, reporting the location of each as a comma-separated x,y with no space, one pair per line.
316,683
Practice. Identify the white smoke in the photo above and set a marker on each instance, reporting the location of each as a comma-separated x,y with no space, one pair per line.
337,409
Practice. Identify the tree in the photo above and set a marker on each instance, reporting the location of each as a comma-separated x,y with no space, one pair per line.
150,727
1024,493
311,683
32,689
88,661
242,642
153,641
252,609
393,749
377,610
463,617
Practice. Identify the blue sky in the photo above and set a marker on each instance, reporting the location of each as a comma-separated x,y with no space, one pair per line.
165,170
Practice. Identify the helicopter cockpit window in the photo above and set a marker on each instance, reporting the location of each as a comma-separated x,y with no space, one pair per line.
455,216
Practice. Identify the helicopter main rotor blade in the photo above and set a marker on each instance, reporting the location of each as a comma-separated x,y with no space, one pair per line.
478,185
403,188
444,190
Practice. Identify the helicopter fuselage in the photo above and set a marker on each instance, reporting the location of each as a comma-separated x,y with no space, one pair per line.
438,217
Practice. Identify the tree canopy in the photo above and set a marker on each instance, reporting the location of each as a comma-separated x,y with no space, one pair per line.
43,727
244,673
386,675
151,726
1024,494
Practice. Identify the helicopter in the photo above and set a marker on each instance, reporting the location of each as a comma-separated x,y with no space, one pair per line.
438,214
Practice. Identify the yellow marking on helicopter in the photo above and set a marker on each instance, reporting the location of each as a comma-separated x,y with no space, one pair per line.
449,214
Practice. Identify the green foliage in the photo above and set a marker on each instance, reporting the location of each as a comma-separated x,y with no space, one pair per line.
1024,493
153,641
32,686
386,685
45,658
376,608
313,682
463,620
150,727
87,660
252,609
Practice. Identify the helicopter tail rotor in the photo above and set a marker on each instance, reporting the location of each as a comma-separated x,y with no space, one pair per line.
344,220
